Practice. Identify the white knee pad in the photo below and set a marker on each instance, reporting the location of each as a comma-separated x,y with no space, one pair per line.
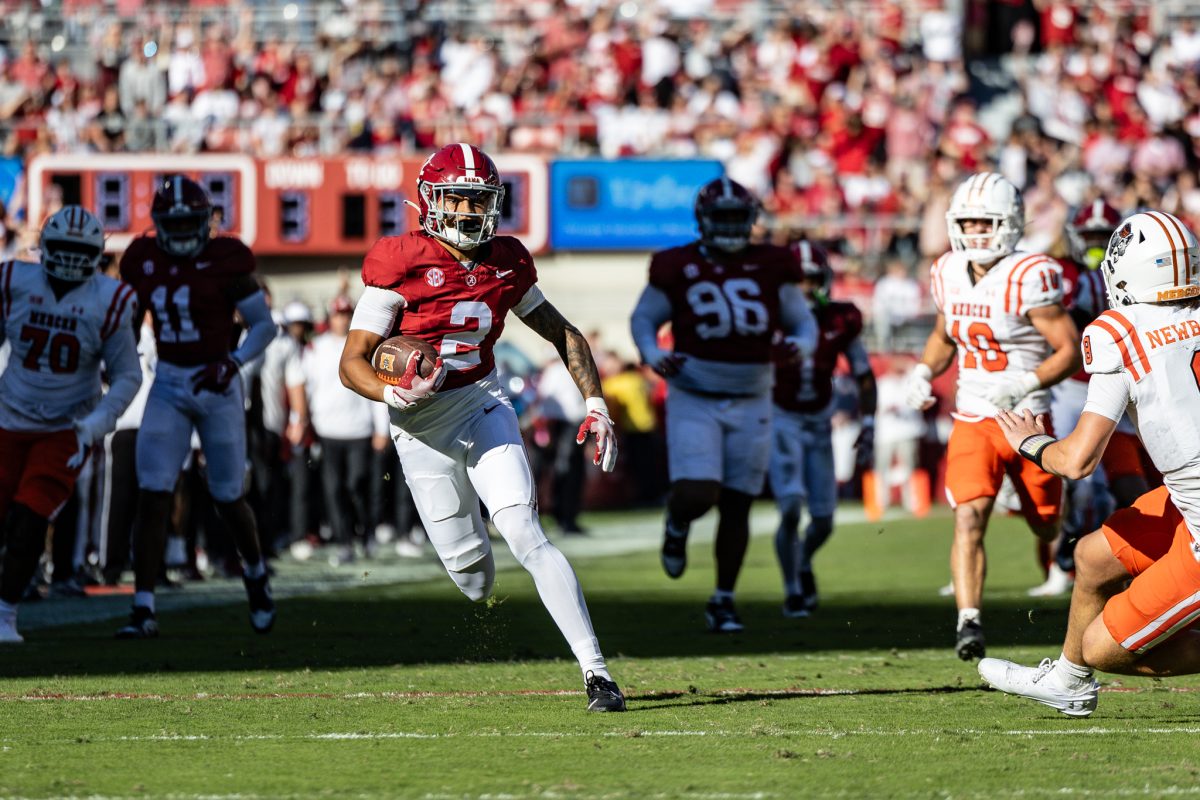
520,527
475,580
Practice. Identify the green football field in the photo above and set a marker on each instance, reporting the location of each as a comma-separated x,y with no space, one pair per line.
405,689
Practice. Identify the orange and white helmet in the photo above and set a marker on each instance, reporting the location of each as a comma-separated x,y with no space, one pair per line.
1151,258
986,196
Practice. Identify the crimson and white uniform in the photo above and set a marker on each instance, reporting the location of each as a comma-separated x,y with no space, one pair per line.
192,303
988,321
724,314
463,443
60,346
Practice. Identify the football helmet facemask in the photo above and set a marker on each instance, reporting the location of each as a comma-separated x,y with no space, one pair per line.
182,215
1089,229
72,244
986,196
725,213
1151,258
460,196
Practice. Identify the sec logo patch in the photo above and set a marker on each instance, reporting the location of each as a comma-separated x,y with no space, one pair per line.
435,277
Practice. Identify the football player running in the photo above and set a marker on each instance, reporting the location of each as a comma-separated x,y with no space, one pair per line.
1001,312
801,466
1144,359
725,299
451,284
66,322
192,284
1088,501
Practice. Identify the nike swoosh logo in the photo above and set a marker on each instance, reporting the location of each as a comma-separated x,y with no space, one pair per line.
503,274
831,335
490,409
750,267
203,264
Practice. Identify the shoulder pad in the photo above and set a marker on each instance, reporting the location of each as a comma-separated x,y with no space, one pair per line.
1111,344
385,264
665,266
230,253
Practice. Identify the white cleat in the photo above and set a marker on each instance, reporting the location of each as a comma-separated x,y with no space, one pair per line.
8,630
1058,583
1040,683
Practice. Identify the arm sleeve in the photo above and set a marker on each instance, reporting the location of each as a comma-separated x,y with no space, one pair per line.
124,379
797,318
380,424
1041,285
652,310
856,354
377,310
1108,395
262,330
532,299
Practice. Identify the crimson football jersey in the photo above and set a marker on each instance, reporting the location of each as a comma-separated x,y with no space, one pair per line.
192,300
724,311
459,311
1086,299
807,387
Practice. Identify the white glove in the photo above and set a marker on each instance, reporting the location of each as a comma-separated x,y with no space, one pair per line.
88,431
600,424
802,346
919,392
412,388
1007,394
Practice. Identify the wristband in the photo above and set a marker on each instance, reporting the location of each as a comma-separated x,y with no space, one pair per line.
1032,447
596,404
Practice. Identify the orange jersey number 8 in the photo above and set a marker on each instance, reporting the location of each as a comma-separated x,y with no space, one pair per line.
980,348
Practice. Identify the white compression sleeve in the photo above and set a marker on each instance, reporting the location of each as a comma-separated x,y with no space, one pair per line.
377,310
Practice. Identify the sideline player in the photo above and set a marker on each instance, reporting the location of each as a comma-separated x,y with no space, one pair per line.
801,466
725,299
1144,358
1001,313
64,319
1090,500
452,284
192,285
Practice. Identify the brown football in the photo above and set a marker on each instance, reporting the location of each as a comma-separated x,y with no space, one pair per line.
391,357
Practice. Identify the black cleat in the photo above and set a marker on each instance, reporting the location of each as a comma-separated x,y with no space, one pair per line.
603,694
970,641
142,625
674,552
262,605
722,617
795,606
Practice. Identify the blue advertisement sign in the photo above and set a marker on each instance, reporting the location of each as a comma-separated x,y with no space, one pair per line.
630,204
11,168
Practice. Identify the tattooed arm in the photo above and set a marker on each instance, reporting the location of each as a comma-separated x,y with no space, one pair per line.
575,353
552,326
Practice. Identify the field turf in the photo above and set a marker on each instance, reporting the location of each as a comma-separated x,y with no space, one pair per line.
408,690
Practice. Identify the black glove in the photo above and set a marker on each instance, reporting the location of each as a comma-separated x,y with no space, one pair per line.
864,448
215,377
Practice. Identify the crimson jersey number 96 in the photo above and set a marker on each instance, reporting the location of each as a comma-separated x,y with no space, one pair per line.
980,348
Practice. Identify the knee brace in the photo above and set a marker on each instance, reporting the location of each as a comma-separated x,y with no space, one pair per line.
476,579
521,529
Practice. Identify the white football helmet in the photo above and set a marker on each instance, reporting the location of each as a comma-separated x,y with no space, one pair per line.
72,244
1152,258
986,196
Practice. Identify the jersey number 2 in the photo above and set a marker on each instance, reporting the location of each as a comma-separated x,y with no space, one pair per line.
732,307
462,350
174,315
980,348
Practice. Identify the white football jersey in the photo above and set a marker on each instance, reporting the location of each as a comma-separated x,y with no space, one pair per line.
988,320
53,372
1145,359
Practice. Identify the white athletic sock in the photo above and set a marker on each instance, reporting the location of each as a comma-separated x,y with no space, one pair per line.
144,599
966,615
1070,673
253,571
555,581
720,594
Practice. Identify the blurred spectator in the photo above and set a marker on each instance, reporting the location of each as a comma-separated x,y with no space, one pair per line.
898,433
628,392
897,300
561,410
345,423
